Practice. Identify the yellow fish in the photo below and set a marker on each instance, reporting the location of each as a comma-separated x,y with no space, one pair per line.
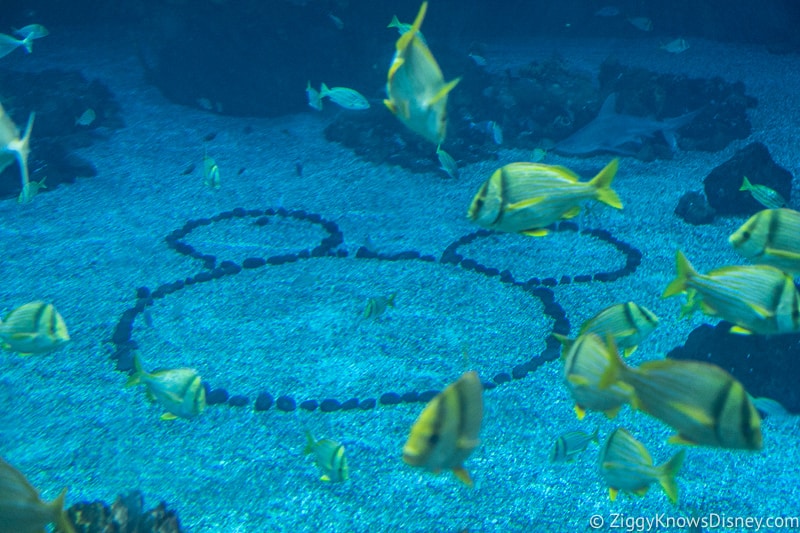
757,298
377,305
447,430
417,92
13,147
33,328
770,237
570,444
767,197
628,323
211,175
704,403
21,508
627,466
179,390
330,458
526,197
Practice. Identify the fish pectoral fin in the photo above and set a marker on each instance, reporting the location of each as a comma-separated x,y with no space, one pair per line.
627,352
695,413
613,412
522,204
763,312
783,254
613,493
462,474
441,93
572,213
739,330
580,412
642,491
325,477
168,416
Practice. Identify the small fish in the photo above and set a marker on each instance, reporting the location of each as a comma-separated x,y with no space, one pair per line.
330,458
344,97
628,323
587,361
376,306
179,390
607,11
767,197
33,328
497,132
314,99
205,103
415,86
403,27
21,508
446,431
527,197
12,147
571,444
448,163
538,155
770,238
675,46
211,175
479,60
756,298
8,44
34,31
86,118
627,466
642,23
30,190
336,21
702,402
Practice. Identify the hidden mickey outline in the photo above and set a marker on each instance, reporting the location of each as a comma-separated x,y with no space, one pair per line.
125,345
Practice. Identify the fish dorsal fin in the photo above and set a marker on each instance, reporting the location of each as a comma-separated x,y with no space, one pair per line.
441,93
609,107
405,40
566,174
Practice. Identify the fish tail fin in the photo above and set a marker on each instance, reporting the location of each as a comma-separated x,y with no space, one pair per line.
60,515
138,372
668,472
395,23
324,90
685,272
310,443
566,343
407,37
746,185
602,182
27,43
390,300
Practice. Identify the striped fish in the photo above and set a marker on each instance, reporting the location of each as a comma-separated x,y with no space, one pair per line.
627,466
448,163
22,509
767,197
343,97
570,444
756,298
527,197
33,328
628,323
770,237
330,458
447,429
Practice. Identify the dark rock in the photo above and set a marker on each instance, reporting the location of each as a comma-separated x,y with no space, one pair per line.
549,282
281,259
488,385
390,398
329,405
410,397
261,221
350,404
254,262
239,212
285,404
502,377
309,405
754,161
582,278
264,401
202,277
427,395
519,372
142,292
367,404
216,396
694,209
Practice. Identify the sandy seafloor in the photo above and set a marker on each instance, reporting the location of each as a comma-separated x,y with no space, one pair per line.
68,421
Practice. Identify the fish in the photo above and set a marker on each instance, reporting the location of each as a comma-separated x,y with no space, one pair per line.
628,323
538,155
13,147
477,59
705,404
211,175
611,131
571,444
404,27
33,328
8,44
34,31
586,362
767,197
330,458
526,197
642,23
675,46
447,430
86,118
30,190
21,508
770,238
336,21
314,99
377,305
771,408
607,11
626,466
178,390
415,86
344,97
497,132
756,298
448,163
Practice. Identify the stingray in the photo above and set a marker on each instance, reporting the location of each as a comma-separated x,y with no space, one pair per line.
614,132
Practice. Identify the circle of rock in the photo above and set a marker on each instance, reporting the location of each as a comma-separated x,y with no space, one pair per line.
125,345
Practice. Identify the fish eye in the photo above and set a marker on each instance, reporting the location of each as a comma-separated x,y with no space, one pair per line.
745,235
433,439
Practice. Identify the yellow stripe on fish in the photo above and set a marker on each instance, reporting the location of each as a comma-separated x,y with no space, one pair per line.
771,237
526,197
756,298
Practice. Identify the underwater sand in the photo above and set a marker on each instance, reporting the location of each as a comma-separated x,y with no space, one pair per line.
66,419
